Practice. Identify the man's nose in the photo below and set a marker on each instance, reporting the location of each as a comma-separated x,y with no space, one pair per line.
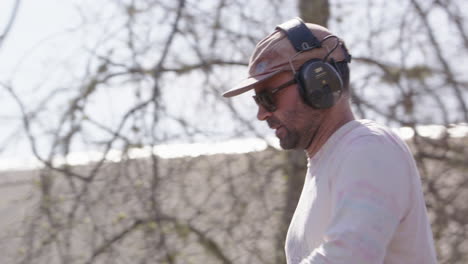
262,113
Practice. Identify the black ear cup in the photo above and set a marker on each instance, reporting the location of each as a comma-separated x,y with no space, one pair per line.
319,84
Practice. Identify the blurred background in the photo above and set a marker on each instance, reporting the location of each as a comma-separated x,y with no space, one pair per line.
116,145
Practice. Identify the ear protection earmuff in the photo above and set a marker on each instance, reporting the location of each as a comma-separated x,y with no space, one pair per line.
319,84
319,81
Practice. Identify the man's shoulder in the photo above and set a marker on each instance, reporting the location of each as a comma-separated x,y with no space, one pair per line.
367,134
367,130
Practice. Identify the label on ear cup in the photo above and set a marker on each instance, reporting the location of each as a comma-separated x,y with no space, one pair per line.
321,84
320,76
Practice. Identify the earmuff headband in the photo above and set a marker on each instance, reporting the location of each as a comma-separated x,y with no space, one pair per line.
299,35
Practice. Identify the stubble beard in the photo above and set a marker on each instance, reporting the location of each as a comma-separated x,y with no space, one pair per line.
290,141
295,138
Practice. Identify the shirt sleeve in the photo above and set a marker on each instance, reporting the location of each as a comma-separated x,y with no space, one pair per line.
370,196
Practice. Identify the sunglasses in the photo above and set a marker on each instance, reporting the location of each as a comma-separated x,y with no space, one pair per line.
266,98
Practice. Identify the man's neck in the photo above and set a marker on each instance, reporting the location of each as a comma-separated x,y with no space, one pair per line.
336,117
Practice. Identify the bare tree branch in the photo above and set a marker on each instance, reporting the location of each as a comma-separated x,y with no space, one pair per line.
9,25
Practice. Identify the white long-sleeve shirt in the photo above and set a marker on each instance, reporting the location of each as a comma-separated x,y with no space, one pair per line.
362,203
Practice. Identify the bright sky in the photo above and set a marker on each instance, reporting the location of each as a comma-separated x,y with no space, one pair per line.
41,37
35,22
38,33
26,50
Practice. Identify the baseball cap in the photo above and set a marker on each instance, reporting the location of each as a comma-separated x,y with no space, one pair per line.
275,54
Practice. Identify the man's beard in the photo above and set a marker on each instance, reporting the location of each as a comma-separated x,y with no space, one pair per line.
291,139
294,138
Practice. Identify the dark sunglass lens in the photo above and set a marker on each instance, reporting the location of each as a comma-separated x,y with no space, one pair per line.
266,100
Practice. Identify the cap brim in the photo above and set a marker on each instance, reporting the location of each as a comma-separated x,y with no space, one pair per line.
248,84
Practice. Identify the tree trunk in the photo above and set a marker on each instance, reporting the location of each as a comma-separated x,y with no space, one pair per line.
295,168
313,11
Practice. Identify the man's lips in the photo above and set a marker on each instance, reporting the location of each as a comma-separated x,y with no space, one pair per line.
273,124
278,131
276,125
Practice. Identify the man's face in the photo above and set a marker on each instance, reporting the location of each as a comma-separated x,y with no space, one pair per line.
295,123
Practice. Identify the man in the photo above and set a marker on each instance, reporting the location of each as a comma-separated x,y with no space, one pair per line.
362,200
